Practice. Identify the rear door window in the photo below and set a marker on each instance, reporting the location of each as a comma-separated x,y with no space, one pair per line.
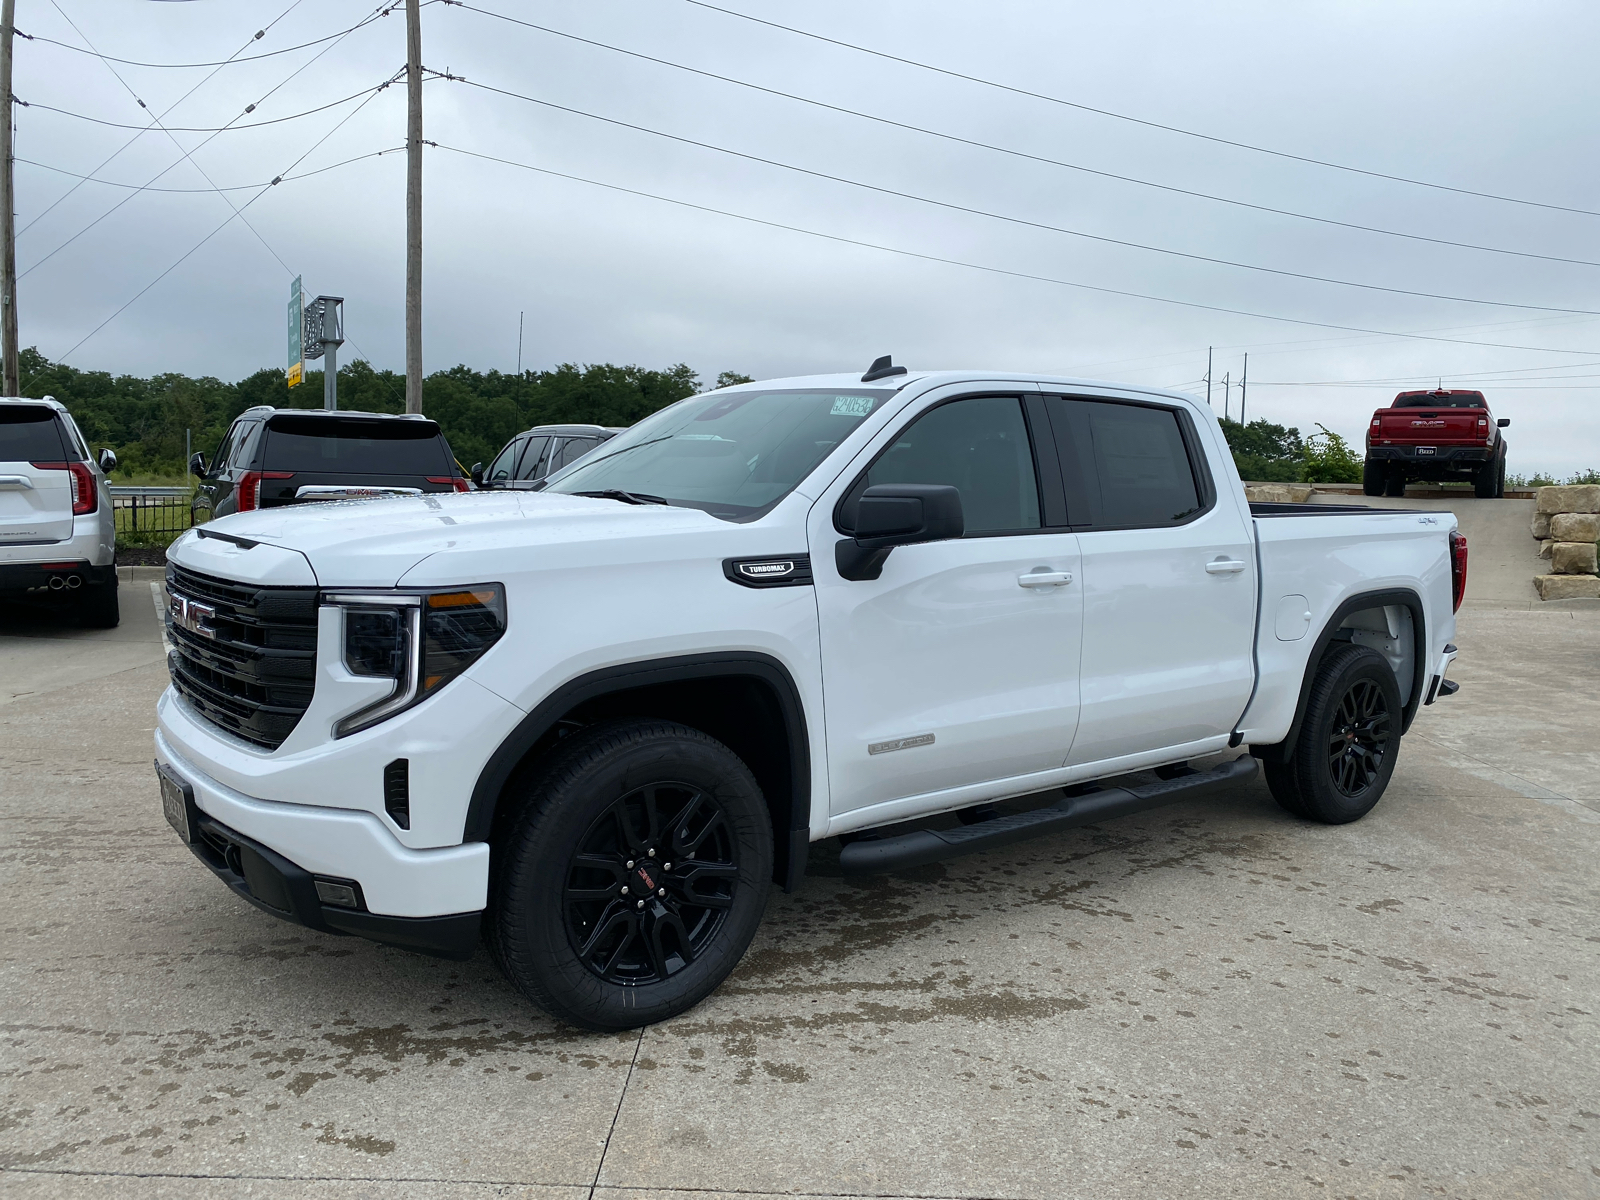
1124,465
355,446
29,433
533,459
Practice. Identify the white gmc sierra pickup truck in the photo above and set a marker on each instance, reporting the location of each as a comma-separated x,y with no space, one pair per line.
593,724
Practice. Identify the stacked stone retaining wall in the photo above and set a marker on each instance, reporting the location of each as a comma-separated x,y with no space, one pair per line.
1567,524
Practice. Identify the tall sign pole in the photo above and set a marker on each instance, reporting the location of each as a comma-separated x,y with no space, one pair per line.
413,206
10,381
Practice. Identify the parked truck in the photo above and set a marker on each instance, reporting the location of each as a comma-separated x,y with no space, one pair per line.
594,724
1439,435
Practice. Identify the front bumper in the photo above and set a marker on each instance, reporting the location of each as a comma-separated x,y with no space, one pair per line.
428,900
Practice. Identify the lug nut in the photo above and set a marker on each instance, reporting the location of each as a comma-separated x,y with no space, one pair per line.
652,854
624,889
630,864
666,866
640,904
661,892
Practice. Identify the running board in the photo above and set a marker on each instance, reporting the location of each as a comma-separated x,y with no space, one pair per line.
874,857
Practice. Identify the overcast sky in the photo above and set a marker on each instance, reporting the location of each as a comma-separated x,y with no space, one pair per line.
1483,96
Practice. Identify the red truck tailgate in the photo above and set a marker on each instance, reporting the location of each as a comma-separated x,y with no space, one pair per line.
1428,426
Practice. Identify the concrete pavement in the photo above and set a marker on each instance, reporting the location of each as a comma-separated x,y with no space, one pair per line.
1216,1000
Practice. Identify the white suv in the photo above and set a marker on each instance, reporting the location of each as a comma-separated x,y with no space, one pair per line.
58,535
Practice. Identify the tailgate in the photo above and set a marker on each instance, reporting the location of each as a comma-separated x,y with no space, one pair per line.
1431,426
35,505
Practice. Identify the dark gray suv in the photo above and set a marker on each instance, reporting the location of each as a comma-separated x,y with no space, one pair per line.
538,452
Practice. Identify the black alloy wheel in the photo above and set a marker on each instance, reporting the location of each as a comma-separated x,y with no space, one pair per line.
1344,755
629,874
651,884
1359,739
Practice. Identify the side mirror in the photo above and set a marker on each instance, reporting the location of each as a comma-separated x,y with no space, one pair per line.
1503,422
108,461
197,464
897,514
477,474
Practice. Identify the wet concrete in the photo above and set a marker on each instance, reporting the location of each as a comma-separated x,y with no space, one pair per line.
1215,1000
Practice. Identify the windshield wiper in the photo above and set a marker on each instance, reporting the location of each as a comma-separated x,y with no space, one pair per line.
625,497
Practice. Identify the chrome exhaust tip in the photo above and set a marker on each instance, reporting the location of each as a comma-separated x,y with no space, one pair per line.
57,583
74,582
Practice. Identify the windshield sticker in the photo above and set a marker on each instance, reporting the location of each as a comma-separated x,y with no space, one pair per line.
852,406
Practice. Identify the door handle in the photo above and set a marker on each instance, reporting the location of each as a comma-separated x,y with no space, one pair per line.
1036,579
1224,566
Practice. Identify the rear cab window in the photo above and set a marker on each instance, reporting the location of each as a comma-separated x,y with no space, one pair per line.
350,446
31,433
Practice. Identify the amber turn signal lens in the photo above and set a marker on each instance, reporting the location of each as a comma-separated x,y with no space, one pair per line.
460,599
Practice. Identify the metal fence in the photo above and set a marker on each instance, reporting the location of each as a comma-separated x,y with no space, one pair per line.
153,514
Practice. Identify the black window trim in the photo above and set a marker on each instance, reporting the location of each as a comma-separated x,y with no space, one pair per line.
1022,396
516,445
1199,465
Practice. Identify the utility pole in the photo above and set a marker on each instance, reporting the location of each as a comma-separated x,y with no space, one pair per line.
519,344
1243,384
413,205
1208,375
1224,396
10,376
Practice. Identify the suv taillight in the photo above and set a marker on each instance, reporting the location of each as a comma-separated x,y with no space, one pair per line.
1458,568
250,487
454,481
85,496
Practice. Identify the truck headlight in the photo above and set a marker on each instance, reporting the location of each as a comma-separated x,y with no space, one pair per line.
421,640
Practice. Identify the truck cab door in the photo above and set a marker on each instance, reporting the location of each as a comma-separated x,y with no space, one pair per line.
954,667
1169,580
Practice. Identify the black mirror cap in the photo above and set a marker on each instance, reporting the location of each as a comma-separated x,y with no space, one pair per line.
477,474
882,368
904,514
1503,422
107,460
197,463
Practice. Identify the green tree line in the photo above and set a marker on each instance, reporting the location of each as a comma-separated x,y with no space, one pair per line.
144,419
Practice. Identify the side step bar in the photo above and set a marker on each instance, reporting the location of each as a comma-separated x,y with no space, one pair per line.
930,845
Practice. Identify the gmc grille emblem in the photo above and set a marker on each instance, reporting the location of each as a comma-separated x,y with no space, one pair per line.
193,616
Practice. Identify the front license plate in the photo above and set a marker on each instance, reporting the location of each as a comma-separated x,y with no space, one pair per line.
176,802
1426,450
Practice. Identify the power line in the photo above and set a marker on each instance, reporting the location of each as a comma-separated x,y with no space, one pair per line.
228,128
231,216
1105,112
226,62
237,187
992,270
1022,154
1022,221
260,33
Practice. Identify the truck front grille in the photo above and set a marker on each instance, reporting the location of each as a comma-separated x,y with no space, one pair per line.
253,672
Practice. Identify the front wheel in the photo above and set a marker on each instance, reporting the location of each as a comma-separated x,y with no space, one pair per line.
633,877
1349,739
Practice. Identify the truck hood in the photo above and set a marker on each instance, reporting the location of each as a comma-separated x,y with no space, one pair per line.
373,543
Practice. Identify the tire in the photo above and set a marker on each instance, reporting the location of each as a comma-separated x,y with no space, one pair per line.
571,933
1372,479
1483,480
1394,483
1500,479
97,606
1349,739
1284,786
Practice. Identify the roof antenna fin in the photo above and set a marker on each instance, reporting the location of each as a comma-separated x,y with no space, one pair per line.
882,368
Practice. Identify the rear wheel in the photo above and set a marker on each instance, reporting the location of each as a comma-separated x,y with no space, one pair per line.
1372,478
1484,479
1345,755
634,875
97,605
1395,483
1500,479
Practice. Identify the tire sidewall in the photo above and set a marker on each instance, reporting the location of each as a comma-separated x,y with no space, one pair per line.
1323,801
608,763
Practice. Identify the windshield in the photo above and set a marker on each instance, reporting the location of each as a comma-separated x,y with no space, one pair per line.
732,454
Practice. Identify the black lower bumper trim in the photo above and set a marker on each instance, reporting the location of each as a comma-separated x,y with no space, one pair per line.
930,845
275,885
28,577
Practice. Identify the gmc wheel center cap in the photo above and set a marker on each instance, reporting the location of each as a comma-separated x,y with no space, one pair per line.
648,877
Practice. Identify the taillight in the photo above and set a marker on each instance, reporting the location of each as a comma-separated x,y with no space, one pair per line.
1458,568
250,487
1376,421
454,481
85,496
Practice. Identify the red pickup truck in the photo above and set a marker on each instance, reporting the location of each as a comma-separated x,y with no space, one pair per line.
1439,435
